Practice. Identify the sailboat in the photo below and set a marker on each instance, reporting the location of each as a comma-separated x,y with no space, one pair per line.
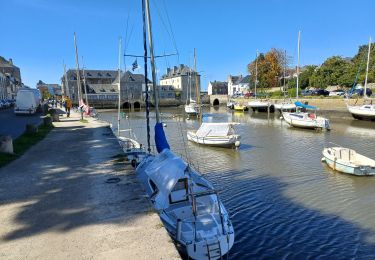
256,104
215,134
286,104
186,202
301,118
191,108
366,111
132,149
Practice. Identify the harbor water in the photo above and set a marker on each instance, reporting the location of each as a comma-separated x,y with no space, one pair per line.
284,202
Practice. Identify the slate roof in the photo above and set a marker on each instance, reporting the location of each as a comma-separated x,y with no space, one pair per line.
95,74
220,84
131,77
182,70
244,80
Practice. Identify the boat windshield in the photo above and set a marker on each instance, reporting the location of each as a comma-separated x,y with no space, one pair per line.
206,204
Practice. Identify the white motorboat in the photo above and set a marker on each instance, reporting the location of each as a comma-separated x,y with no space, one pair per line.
348,161
188,205
215,134
258,105
364,112
285,106
308,120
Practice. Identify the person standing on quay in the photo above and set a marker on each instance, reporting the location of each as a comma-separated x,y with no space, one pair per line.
68,104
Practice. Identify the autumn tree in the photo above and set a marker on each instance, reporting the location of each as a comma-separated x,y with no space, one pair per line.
270,67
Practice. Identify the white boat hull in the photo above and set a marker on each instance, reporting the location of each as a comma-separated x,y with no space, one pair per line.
365,112
346,166
223,141
284,106
191,109
302,120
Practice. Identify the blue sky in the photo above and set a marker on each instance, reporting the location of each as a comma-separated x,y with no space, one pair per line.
38,34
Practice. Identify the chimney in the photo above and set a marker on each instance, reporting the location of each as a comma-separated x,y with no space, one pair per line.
10,61
182,66
175,69
168,70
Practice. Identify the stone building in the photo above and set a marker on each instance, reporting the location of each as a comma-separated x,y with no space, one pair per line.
217,88
102,87
10,79
183,79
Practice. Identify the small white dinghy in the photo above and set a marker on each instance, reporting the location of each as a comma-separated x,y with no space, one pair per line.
348,161
215,134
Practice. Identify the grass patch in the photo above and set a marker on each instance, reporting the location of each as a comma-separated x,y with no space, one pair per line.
84,121
23,143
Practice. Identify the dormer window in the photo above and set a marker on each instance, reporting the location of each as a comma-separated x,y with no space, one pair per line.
100,74
89,74
102,90
109,75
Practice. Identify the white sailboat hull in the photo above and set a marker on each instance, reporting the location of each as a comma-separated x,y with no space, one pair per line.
206,234
303,120
223,141
191,109
365,112
348,161
258,104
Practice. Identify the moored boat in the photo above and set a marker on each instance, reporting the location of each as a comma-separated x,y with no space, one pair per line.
239,107
215,134
348,161
307,120
364,112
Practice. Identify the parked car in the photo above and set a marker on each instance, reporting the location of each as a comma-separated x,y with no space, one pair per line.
247,95
359,92
306,92
320,92
337,92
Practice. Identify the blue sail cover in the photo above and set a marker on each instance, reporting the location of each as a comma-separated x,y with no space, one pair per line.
160,139
299,104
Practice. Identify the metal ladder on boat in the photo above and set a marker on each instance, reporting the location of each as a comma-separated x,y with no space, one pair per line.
214,251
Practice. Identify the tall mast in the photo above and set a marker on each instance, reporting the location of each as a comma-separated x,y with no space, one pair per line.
155,89
197,88
66,83
119,86
368,62
77,70
299,44
146,80
84,83
256,74
284,72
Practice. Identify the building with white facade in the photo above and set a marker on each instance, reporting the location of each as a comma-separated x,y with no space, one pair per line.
238,84
183,79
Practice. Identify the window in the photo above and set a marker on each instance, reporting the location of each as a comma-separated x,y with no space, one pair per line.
179,192
100,74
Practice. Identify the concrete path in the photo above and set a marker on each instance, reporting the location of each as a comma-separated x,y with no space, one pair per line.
55,202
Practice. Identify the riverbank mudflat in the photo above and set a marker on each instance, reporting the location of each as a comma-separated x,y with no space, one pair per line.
72,197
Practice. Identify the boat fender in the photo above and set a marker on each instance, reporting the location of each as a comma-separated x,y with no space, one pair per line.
237,144
323,159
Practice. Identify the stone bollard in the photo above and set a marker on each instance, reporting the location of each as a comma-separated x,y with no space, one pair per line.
47,121
6,144
31,129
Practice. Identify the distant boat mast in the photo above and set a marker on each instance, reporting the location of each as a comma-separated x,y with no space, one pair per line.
368,62
299,45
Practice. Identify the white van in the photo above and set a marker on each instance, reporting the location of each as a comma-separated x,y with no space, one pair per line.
25,102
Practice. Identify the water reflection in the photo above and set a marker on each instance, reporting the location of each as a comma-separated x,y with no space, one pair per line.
285,202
